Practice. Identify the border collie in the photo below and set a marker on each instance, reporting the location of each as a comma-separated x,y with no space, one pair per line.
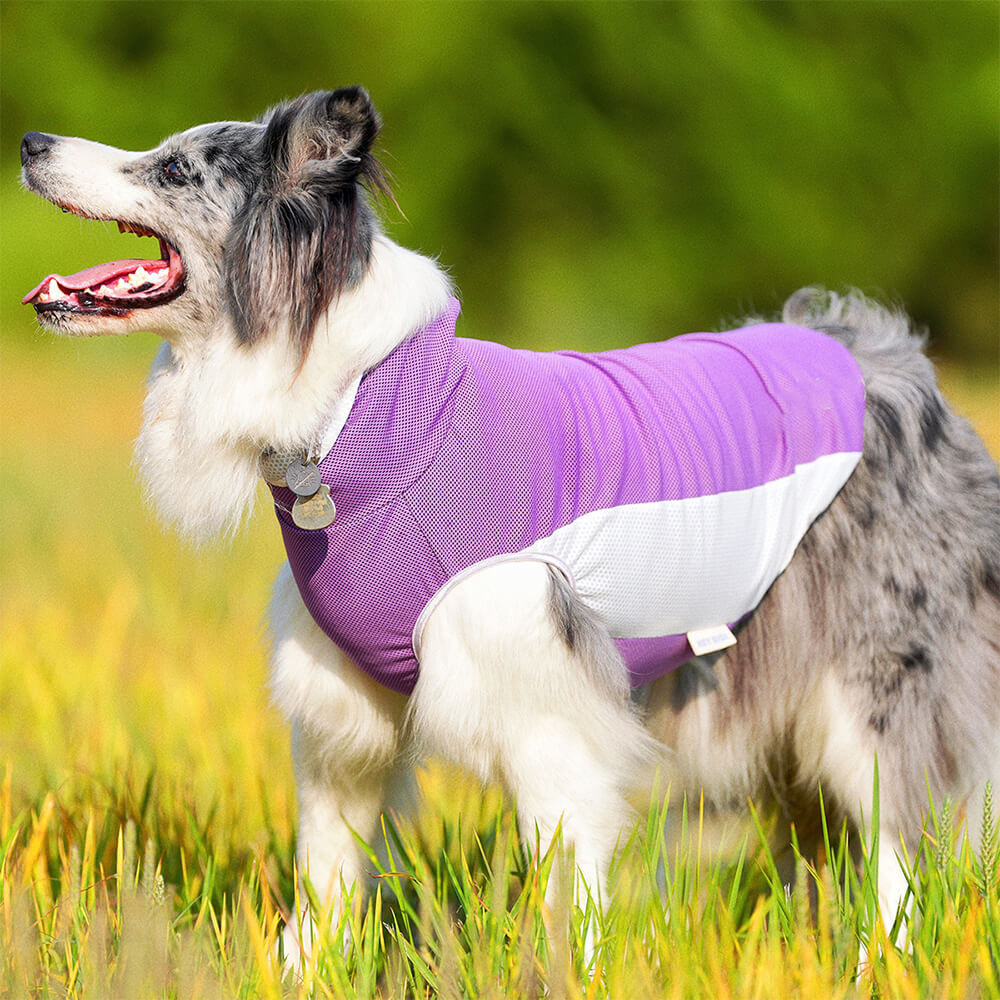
751,561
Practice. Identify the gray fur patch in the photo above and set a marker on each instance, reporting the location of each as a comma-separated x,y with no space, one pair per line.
586,637
885,627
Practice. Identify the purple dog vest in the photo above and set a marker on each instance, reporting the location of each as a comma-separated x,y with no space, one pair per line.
670,483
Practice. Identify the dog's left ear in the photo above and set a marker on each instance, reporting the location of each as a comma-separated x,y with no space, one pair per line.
323,140
305,232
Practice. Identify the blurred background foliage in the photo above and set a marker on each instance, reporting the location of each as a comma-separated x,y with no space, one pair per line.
592,174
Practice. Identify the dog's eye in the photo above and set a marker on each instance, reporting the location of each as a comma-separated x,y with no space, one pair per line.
173,172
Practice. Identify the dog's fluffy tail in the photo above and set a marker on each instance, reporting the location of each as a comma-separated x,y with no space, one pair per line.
865,326
899,378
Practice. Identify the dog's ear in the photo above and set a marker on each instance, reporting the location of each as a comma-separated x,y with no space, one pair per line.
322,141
305,232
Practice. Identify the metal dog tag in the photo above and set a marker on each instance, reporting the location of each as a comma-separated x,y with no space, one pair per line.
302,477
273,465
315,512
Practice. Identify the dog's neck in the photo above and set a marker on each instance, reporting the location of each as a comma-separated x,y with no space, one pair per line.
210,409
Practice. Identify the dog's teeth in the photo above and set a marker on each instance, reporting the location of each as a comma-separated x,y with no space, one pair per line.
122,285
138,276
105,290
51,292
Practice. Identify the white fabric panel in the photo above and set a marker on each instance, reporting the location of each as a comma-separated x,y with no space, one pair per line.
668,567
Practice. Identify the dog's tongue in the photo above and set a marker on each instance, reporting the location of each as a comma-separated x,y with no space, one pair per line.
92,277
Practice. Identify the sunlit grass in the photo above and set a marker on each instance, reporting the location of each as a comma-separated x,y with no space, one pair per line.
147,805
94,912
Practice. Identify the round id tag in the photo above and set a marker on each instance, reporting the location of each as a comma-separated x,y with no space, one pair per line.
302,477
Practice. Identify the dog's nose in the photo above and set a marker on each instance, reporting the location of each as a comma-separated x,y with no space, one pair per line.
34,144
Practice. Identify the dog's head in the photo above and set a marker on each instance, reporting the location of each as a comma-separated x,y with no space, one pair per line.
260,224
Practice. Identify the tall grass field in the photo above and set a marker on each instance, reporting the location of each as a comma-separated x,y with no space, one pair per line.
147,810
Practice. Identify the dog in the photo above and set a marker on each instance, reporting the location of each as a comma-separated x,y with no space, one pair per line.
761,626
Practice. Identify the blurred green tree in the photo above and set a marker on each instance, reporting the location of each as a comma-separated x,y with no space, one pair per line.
592,174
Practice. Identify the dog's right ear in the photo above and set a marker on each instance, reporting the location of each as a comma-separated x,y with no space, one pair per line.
321,141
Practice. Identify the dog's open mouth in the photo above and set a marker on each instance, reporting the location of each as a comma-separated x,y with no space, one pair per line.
114,288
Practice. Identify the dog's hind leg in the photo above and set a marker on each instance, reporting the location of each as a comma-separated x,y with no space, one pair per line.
345,742
520,683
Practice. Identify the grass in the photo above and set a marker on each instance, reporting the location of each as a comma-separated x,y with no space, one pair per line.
147,803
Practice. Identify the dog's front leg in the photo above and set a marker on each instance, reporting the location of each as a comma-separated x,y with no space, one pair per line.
520,683
345,742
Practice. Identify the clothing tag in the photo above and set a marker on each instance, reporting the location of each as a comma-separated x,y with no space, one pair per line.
710,640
